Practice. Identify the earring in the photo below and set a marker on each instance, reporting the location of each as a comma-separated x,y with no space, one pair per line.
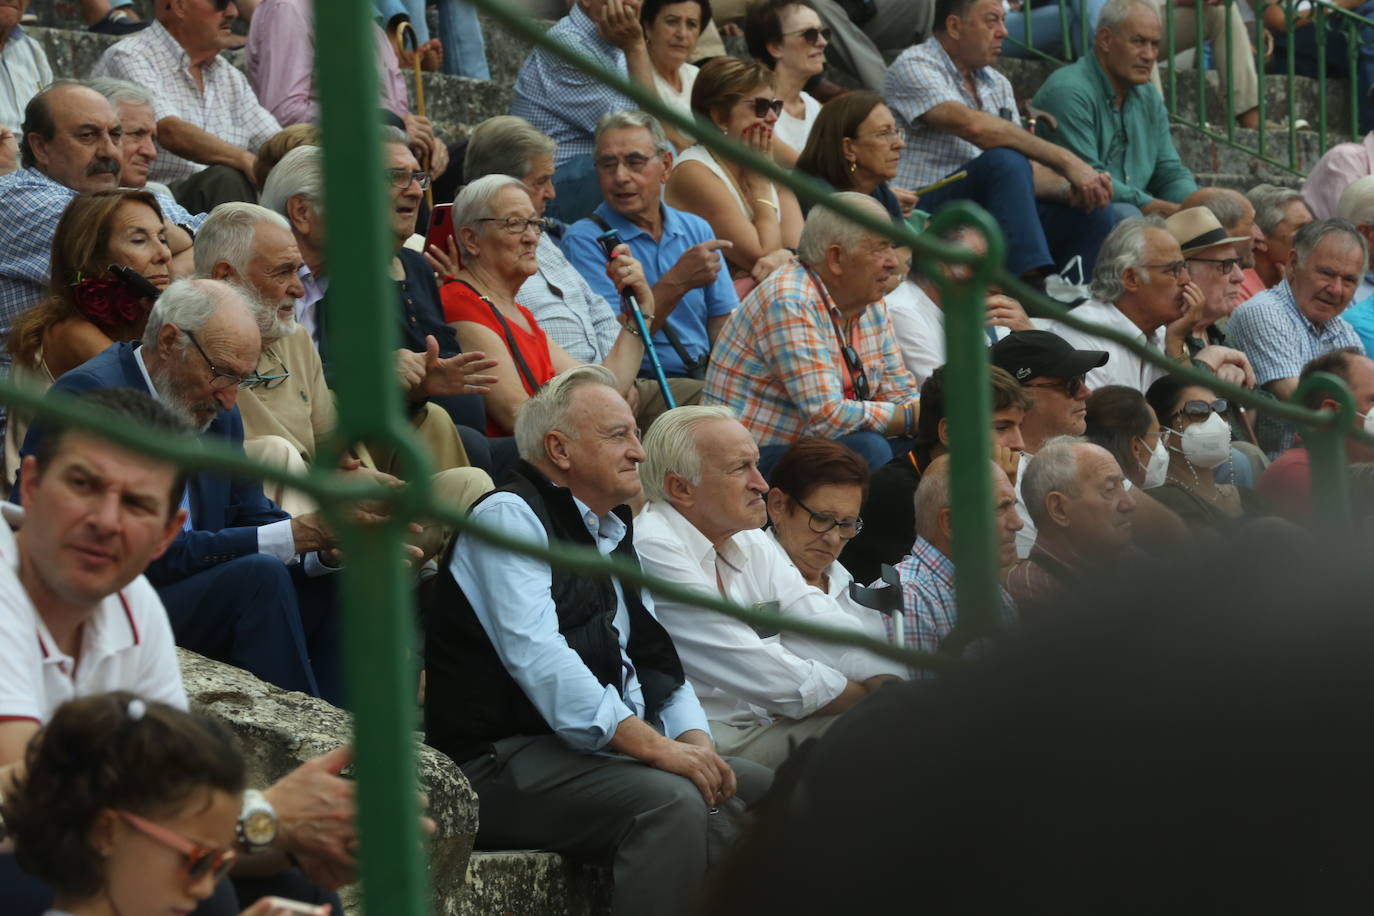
853,167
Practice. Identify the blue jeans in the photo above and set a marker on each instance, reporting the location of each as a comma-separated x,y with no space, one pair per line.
873,447
1047,33
1039,235
460,32
577,190
1305,60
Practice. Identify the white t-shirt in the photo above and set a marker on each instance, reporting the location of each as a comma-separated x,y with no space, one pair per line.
679,101
126,645
794,131
918,325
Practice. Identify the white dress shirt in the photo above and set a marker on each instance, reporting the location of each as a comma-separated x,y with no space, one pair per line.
1122,367
918,325
858,664
742,678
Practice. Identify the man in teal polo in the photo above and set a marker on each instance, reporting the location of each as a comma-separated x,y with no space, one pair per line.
1111,117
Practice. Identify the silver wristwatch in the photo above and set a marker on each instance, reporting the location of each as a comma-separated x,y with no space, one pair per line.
257,826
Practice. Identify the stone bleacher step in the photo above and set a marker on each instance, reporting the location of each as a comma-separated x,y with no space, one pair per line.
531,883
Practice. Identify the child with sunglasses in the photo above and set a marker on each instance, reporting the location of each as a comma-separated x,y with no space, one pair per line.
129,807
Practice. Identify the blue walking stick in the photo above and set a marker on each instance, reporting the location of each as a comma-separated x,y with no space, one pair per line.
609,241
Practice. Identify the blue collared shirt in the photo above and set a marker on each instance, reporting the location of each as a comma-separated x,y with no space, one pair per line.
680,232
1279,339
562,101
523,627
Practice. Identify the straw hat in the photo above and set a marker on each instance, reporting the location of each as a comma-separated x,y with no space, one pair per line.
1197,228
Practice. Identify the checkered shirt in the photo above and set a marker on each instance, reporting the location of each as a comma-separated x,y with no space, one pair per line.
928,600
1279,339
562,101
568,310
228,108
922,77
777,363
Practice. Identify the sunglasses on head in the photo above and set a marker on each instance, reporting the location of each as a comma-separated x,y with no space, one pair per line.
1200,410
811,36
197,861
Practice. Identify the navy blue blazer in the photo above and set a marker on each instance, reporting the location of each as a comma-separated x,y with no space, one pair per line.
225,511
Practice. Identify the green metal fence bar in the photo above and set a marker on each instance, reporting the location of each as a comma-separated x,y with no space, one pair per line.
1352,48
1199,62
1326,451
379,633
1319,22
1260,65
1228,97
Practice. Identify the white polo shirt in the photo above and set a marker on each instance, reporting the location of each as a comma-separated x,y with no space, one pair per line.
126,645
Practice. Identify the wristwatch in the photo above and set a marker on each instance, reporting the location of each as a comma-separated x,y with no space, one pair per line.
257,826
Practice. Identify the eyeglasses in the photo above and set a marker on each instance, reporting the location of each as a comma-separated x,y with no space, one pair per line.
811,36
1223,265
1200,410
516,225
762,106
221,380
272,381
635,162
821,522
401,178
1174,269
198,861
1069,385
886,135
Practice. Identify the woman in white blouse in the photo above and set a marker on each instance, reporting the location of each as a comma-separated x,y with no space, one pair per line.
671,30
788,36
817,489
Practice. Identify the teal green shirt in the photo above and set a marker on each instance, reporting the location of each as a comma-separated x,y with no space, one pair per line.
1133,142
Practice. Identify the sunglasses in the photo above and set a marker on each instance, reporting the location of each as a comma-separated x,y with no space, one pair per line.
1068,385
811,36
1200,410
198,861
762,106
857,373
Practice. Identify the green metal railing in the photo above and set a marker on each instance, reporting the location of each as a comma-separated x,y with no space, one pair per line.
377,603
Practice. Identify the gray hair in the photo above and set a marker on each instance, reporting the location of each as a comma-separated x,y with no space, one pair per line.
227,235
671,448
824,227
1312,234
393,135
474,201
504,145
1116,12
1227,206
300,173
121,92
1271,205
1121,251
1357,201
628,120
547,409
189,304
1053,469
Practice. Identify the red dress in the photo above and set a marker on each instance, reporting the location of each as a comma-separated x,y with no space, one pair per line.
462,303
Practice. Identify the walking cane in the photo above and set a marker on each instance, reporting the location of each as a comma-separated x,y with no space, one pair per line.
402,31
610,240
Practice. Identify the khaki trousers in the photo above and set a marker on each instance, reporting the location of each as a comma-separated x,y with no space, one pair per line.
1244,80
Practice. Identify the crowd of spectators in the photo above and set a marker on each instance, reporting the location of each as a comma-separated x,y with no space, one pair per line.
629,342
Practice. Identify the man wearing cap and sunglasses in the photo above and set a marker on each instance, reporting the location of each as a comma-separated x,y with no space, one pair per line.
1142,287
208,150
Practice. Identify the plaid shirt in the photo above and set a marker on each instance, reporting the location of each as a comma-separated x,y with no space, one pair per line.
1279,339
227,108
922,77
569,311
928,600
32,204
562,101
777,363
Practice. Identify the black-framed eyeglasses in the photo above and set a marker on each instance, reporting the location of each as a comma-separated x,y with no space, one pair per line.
811,36
857,374
762,106
1069,386
401,178
635,162
1200,410
219,379
822,522
516,225
1223,265
1174,269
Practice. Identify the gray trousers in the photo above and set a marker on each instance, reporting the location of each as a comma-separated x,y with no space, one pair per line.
653,827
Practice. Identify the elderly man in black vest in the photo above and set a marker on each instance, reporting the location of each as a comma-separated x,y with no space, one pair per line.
559,694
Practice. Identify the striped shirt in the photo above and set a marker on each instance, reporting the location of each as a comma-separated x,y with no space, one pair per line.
922,77
778,364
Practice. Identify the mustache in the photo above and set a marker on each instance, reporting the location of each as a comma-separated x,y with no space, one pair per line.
104,165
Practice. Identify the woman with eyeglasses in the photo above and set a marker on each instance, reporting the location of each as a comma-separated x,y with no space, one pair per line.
129,808
89,305
671,29
788,37
1195,431
760,220
497,234
817,489
856,146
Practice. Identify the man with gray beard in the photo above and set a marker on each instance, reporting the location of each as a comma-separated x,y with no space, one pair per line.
286,417
244,582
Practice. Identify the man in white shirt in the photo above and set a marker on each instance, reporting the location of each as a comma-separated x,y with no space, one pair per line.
1141,288
24,68
701,528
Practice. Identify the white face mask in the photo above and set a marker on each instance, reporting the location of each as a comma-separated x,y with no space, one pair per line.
1158,466
1207,444
1369,422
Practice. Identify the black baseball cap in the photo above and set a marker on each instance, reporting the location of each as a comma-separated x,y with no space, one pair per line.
1028,354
